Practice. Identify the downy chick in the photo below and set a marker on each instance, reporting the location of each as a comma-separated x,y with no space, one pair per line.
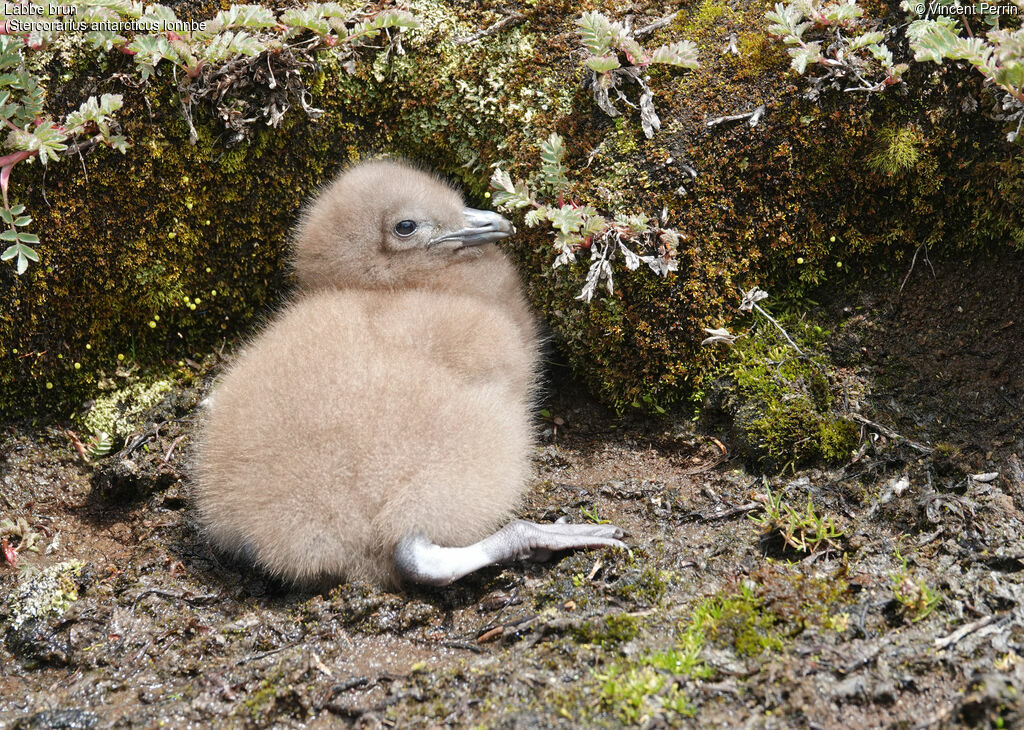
379,428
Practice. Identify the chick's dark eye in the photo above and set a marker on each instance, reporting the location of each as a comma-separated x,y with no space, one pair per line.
405,228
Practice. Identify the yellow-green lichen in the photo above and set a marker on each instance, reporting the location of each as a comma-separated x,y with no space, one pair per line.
45,594
119,413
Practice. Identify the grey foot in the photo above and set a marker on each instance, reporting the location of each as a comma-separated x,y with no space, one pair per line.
420,561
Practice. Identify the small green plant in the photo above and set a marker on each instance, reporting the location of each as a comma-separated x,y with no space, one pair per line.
246,62
647,685
838,40
635,693
16,536
848,47
606,43
593,517
578,228
34,134
898,150
917,598
805,530
749,303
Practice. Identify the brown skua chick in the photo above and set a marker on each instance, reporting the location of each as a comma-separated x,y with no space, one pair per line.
379,428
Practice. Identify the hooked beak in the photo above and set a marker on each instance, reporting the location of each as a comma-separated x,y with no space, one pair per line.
482,226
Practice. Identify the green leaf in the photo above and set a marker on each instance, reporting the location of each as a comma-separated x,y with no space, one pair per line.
881,53
241,16
6,216
633,50
866,39
28,238
681,53
932,40
507,194
22,221
391,19
231,44
552,152
599,34
635,224
9,234
842,11
150,50
593,223
24,254
47,139
1010,75
811,53
600,64
310,19
566,219
10,51
160,16
535,216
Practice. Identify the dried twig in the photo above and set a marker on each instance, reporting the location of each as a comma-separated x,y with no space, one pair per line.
891,434
655,25
177,595
947,641
506,22
726,514
913,261
754,117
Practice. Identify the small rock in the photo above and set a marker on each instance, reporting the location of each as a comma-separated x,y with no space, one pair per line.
57,720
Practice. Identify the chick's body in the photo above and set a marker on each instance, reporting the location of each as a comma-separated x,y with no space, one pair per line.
366,414
381,422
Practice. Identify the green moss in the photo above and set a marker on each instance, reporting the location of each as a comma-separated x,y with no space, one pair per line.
260,702
625,138
609,631
897,150
705,16
779,404
644,586
758,54
633,693
837,439
736,620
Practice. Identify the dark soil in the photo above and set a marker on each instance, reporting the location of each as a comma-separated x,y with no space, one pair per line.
912,616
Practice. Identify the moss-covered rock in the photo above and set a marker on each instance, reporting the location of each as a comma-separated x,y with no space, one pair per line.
158,254
779,405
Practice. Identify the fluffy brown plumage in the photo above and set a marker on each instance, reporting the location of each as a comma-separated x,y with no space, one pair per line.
389,398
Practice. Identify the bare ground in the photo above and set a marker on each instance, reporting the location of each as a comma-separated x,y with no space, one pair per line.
912,617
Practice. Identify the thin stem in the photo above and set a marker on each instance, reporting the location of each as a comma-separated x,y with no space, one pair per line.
785,334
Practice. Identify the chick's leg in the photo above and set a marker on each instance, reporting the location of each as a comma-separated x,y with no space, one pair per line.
420,561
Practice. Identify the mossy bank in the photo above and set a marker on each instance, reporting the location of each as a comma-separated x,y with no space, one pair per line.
151,258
